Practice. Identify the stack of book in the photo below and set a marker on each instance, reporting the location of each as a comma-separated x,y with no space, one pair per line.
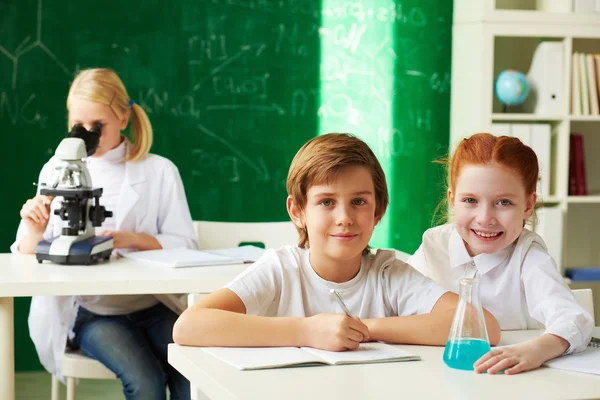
585,78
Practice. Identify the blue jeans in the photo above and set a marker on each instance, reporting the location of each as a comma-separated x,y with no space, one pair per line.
134,347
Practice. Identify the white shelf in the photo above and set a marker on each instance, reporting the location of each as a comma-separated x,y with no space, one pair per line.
549,200
526,117
585,118
470,11
541,17
486,40
590,199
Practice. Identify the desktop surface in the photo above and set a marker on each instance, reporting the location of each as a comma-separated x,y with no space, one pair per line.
426,379
22,275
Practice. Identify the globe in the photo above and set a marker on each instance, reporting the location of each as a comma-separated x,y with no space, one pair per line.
511,87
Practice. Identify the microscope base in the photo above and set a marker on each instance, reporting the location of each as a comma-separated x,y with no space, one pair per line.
84,252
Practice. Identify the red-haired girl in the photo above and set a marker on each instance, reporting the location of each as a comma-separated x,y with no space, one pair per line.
491,193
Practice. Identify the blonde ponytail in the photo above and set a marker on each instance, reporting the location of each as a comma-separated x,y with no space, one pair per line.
141,134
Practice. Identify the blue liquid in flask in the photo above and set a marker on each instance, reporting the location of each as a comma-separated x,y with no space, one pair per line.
462,353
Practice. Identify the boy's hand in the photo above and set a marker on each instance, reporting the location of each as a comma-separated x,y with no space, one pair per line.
336,332
36,213
523,356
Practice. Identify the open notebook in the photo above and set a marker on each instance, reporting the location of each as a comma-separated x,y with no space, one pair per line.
587,361
182,257
252,358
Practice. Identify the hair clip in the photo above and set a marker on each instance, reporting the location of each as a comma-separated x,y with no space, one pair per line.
131,102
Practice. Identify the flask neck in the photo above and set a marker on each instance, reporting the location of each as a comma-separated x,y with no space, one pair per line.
469,291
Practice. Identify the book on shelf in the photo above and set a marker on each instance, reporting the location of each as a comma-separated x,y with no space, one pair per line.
592,85
577,172
597,65
575,91
253,358
585,84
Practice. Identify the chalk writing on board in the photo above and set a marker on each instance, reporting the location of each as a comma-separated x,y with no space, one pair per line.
206,163
440,82
393,13
340,105
347,38
303,100
25,47
302,7
161,103
258,165
21,109
212,49
420,118
224,85
291,39
246,107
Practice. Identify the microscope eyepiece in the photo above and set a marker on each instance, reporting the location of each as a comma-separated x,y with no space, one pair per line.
91,137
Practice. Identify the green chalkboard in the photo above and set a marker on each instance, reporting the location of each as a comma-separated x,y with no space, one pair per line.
233,88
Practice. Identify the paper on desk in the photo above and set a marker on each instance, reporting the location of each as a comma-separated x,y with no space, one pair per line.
587,361
247,253
182,257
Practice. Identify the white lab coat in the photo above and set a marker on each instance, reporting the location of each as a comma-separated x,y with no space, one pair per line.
152,201
520,285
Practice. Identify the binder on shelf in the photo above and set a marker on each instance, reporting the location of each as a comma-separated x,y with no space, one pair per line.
540,143
575,92
522,132
545,77
500,129
591,84
583,274
550,226
554,5
539,138
586,6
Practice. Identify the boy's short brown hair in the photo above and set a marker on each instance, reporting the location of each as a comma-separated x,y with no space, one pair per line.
321,158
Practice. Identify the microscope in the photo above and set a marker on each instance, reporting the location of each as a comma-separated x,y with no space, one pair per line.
77,244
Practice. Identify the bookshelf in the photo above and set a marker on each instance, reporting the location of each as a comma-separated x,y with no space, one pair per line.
490,36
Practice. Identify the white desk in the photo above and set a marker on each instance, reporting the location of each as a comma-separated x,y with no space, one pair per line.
426,379
21,275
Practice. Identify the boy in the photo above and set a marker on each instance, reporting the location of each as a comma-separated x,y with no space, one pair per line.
337,194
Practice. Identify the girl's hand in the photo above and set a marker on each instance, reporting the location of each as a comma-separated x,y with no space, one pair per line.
523,356
36,213
132,240
336,332
122,239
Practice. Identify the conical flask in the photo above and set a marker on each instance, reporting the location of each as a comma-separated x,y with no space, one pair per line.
468,339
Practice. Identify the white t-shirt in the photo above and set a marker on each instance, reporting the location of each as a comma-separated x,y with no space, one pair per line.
520,284
282,283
